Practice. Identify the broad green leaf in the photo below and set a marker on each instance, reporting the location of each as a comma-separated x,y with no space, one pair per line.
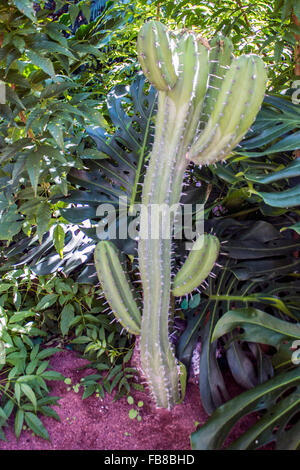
291,170
47,352
18,392
47,301
19,419
267,422
81,340
52,375
295,227
86,10
2,414
19,316
34,352
132,413
26,7
284,199
31,366
42,62
285,144
259,326
33,167
51,46
46,410
59,239
57,89
9,229
74,12
67,316
35,424
43,219
296,7
287,9
55,129
29,393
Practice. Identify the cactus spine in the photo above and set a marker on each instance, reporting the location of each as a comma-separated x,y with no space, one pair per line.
206,103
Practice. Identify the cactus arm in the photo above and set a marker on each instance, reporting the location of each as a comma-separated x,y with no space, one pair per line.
237,104
116,286
157,62
197,266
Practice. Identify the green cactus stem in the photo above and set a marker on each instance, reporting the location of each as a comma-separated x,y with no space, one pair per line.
162,188
176,141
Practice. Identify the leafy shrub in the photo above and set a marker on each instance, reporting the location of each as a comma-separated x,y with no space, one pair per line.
36,312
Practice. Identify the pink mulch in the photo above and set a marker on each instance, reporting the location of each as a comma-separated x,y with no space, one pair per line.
96,424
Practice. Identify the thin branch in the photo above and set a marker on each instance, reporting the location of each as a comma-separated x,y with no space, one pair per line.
244,14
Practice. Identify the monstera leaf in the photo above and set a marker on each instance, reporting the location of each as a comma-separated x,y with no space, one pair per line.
273,137
111,177
274,128
115,176
43,259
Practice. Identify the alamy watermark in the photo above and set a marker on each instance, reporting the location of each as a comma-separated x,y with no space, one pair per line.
153,221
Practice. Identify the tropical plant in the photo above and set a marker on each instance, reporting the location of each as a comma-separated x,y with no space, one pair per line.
24,364
277,399
39,316
115,169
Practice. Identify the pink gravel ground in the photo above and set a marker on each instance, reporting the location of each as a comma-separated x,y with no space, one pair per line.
96,424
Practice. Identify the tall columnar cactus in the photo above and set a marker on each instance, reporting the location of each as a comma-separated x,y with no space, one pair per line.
207,100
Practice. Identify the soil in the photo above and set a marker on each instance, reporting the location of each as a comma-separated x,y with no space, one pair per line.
96,424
